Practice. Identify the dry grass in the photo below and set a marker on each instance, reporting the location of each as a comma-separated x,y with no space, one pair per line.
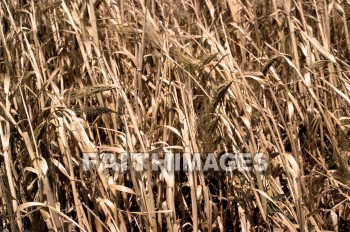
190,76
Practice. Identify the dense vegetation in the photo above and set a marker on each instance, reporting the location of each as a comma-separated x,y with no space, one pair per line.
182,76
